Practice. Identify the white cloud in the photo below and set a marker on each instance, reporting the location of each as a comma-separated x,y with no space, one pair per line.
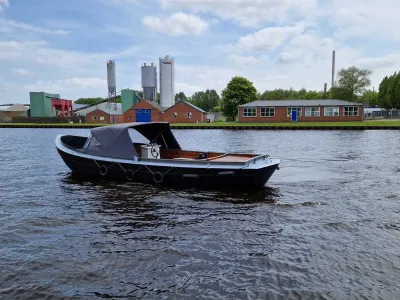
177,24
248,12
3,3
245,61
21,72
363,18
269,38
8,25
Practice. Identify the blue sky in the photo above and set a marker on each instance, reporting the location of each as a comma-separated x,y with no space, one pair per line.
62,46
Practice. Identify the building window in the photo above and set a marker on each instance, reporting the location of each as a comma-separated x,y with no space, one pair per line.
249,112
157,117
174,114
290,109
331,111
101,118
267,112
129,118
139,111
94,118
312,112
350,111
146,111
189,115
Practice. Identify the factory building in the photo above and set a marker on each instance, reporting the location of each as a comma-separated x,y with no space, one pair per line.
49,105
104,113
324,110
149,82
184,112
144,111
167,81
15,110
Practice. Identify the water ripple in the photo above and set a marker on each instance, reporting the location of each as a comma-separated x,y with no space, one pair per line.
325,227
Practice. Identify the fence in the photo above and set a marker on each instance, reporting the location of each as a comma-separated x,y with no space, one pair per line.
381,113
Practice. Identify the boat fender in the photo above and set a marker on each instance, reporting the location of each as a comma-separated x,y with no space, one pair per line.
129,175
158,177
103,170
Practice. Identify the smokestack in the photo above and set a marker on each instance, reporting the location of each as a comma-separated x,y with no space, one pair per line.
325,87
333,68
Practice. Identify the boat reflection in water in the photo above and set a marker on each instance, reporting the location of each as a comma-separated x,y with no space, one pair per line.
154,156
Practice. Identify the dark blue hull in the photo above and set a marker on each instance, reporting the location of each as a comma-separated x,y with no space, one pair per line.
170,176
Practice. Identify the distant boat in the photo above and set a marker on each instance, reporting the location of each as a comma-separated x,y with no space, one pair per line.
154,156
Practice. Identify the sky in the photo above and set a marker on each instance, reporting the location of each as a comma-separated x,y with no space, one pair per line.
62,47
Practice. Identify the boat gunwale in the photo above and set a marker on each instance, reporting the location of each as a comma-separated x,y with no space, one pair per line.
249,164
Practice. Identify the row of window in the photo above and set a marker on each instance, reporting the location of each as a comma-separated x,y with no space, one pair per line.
188,115
309,111
100,118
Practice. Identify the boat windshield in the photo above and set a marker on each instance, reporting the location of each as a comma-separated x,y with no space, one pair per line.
137,137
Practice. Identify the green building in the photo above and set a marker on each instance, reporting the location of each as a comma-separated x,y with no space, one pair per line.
40,104
128,99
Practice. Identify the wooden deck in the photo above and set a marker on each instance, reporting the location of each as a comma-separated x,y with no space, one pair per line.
232,158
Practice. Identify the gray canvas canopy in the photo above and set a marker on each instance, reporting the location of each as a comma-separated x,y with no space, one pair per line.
114,141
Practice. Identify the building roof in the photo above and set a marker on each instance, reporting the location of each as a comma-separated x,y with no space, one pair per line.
17,107
188,103
105,106
294,103
111,108
194,106
155,105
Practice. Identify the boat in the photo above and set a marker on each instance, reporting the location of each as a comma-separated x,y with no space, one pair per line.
149,153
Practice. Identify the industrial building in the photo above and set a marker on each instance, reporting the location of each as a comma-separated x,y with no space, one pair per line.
106,113
184,112
149,81
300,111
167,81
151,111
49,105
144,111
15,110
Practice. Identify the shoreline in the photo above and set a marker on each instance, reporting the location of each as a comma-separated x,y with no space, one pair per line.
366,125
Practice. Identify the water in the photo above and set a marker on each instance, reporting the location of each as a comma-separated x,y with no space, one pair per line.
325,227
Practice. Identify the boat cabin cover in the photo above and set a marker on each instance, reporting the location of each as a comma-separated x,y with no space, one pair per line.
115,141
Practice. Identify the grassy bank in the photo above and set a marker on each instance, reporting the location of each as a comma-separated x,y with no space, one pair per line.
234,125
395,123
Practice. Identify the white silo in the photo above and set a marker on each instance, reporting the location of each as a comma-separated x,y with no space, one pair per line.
167,81
111,81
149,82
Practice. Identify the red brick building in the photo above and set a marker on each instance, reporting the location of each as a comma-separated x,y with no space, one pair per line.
184,112
106,114
144,111
281,111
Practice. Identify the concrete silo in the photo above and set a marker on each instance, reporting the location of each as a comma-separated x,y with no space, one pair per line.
111,81
149,82
167,81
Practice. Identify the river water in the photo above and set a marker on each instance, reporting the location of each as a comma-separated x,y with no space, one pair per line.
326,226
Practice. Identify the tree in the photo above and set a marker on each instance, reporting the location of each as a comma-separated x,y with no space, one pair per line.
180,97
383,89
205,100
341,93
238,91
88,101
355,80
369,98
